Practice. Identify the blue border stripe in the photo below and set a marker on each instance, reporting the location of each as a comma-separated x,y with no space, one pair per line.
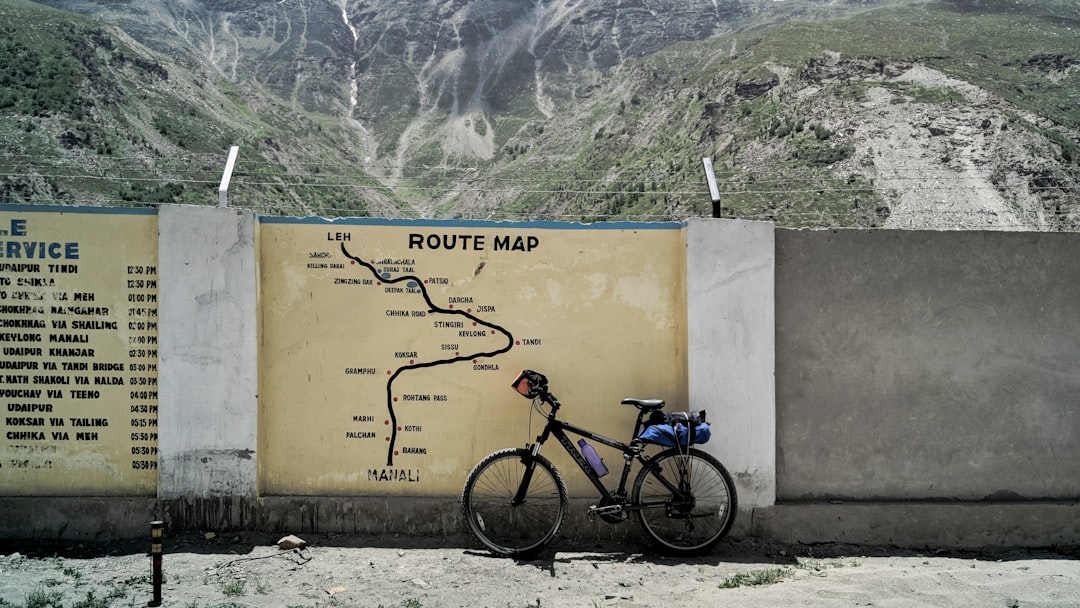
362,221
14,208
548,225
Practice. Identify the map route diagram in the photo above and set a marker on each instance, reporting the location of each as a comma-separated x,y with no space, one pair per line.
419,285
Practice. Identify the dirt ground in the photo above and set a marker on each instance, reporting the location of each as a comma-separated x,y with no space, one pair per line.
241,570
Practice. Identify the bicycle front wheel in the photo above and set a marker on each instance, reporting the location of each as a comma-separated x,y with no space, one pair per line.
503,525
694,518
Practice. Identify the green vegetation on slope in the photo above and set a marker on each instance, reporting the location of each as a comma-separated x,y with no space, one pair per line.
644,133
87,118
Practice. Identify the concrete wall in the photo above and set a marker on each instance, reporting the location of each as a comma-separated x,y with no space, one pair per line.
927,365
899,387
729,287
208,369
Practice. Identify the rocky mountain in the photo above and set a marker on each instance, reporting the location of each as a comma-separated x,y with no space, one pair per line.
953,114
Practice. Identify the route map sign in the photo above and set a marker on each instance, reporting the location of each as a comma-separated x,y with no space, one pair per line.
78,331
388,346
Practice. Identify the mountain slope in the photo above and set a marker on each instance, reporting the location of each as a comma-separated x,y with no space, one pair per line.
833,124
914,114
91,116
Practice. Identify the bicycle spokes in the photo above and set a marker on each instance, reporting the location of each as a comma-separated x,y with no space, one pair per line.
514,509
696,494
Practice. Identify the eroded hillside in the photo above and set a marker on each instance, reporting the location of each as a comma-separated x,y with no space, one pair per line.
958,114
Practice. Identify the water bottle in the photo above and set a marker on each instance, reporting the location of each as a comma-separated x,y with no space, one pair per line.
593,458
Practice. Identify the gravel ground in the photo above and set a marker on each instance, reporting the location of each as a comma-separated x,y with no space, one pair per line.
238,570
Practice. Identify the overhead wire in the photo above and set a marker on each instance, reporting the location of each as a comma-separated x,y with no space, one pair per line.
754,184
579,183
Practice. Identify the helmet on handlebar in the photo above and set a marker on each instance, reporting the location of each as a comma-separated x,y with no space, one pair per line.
531,384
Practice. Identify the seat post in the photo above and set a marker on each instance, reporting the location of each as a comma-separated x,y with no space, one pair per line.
637,424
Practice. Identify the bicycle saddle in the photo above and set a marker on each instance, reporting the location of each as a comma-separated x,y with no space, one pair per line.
644,404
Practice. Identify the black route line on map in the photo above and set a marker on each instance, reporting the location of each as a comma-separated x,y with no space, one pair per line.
432,308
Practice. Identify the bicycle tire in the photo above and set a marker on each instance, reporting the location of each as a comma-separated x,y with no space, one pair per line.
504,528
695,527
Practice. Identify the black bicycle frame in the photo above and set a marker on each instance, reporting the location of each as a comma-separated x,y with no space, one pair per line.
630,451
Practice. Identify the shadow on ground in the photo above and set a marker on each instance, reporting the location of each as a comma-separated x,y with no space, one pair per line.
598,553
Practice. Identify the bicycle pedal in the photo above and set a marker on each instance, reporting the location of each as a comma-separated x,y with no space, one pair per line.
612,514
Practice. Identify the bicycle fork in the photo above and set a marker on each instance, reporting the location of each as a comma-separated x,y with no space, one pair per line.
526,478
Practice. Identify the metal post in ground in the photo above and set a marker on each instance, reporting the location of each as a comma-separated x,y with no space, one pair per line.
156,538
226,177
714,192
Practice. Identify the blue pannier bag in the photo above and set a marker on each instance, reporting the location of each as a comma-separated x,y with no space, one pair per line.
676,428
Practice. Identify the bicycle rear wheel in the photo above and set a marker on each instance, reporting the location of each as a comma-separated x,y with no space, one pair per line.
696,522
509,529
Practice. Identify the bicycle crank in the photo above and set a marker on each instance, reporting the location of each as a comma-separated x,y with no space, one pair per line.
612,514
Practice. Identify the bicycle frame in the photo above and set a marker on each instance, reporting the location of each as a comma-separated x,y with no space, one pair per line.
631,451
515,500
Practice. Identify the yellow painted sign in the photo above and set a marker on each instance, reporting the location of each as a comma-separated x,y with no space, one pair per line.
388,347
78,329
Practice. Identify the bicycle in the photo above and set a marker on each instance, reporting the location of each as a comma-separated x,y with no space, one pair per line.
515,500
